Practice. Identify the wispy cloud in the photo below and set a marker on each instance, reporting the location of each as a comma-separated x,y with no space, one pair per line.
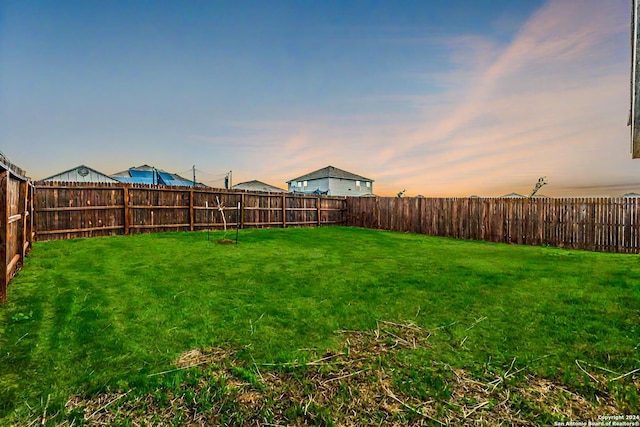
551,102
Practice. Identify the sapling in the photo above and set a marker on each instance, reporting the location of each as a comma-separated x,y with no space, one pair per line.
224,220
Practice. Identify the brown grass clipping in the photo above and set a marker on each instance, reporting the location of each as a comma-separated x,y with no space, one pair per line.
362,384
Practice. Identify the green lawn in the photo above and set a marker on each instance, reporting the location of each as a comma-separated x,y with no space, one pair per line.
103,315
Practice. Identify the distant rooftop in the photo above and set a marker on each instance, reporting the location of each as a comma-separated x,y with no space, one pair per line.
256,185
331,172
146,174
81,173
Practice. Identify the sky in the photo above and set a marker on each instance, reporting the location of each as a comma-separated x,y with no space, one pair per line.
438,98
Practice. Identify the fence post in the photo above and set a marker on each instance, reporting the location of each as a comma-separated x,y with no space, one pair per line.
27,218
32,189
23,189
191,211
318,207
420,215
4,224
284,210
125,198
242,210
30,195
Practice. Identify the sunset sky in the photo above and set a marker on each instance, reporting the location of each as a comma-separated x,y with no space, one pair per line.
441,98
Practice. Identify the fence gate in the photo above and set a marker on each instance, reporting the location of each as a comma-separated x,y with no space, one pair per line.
16,222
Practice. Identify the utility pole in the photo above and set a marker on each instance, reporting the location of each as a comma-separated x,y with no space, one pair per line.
194,176
230,182
227,181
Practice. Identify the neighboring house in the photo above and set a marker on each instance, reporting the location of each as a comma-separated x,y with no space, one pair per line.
630,195
513,196
146,174
256,185
332,181
81,173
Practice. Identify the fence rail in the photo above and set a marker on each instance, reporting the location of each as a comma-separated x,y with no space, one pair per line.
64,211
16,222
595,224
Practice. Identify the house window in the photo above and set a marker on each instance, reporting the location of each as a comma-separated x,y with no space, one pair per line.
294,184
357,185
304,185
368,184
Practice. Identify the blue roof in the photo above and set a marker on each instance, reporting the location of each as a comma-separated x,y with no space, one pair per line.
142,174
134,180
153,177
178,182
165,176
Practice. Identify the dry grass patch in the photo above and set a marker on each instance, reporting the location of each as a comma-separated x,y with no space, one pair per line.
361,384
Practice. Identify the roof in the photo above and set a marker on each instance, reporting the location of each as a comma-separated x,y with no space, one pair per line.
513,196
135,168
331,172
256,185
146,174
81,173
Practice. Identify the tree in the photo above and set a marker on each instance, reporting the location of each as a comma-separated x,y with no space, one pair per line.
541,181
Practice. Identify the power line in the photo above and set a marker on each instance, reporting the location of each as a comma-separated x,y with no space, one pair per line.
211,174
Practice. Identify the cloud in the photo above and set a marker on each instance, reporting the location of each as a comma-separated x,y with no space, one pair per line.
553,101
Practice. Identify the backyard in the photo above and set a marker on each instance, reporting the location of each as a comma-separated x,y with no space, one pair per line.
317,326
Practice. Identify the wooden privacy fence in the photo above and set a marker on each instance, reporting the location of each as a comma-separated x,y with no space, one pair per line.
64,211
16,222
595,224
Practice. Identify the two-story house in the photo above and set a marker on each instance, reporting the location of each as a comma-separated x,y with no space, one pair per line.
332,181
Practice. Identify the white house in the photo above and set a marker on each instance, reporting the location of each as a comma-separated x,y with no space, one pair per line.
332,181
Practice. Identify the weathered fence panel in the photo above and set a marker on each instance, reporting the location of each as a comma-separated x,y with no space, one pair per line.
69,210
16,234
595,224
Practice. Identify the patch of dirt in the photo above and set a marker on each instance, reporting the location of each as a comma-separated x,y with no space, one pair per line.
363,384
225,241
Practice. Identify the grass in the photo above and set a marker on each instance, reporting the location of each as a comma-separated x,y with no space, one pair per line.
93,316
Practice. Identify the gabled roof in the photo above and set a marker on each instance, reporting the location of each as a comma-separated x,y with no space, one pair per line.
331,172
81,173
513,196
256,185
